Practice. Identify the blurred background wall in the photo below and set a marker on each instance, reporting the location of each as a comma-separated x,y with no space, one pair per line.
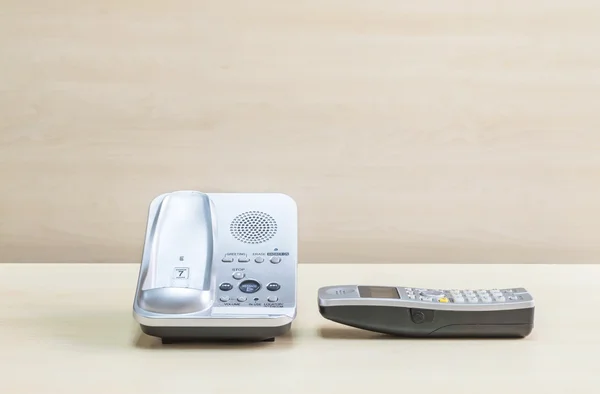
407,132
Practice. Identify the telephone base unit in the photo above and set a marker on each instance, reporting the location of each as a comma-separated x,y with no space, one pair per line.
218,267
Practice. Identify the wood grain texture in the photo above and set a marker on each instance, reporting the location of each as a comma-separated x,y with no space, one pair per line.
416,132
60,335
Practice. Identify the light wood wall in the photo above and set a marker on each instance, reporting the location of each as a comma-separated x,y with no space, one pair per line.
407,132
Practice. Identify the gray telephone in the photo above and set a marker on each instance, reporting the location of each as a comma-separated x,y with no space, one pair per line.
218,266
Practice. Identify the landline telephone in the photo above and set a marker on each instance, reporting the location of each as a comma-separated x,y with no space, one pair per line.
218,266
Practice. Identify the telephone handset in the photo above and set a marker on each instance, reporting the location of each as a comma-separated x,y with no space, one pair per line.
218,266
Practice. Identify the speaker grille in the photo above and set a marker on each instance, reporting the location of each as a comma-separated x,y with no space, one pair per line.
253,227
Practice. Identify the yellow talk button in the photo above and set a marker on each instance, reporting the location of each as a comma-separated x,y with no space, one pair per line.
443,299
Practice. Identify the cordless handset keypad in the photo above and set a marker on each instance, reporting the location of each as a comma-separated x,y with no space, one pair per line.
466,296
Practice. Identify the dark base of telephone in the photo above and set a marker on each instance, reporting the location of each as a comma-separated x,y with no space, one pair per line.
175,335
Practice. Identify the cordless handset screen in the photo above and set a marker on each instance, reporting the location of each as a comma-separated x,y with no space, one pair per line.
378,292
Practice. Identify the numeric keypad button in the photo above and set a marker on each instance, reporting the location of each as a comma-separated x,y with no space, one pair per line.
472,300
459,300
428,299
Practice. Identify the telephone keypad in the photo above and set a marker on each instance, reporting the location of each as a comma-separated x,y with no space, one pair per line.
246,282
457,296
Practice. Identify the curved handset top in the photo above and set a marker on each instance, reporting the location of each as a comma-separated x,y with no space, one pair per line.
180,234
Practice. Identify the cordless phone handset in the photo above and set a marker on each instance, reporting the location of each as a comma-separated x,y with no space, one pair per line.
181,253
425,312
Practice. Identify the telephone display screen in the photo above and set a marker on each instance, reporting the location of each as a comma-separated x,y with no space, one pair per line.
378,292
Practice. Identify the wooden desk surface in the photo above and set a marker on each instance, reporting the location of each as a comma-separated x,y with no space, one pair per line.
69,329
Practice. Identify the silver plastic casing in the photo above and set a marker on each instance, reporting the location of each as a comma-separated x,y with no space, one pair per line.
218,266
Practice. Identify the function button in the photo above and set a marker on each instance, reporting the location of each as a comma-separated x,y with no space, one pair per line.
418,317
227,259
486,299
473,300
241,298
432,293
513,298
243,259
273,286
411,296
459,300
500,298
224,298
272,299
226,286
408,288
259,259
426,299
238,275
249,286
275,260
